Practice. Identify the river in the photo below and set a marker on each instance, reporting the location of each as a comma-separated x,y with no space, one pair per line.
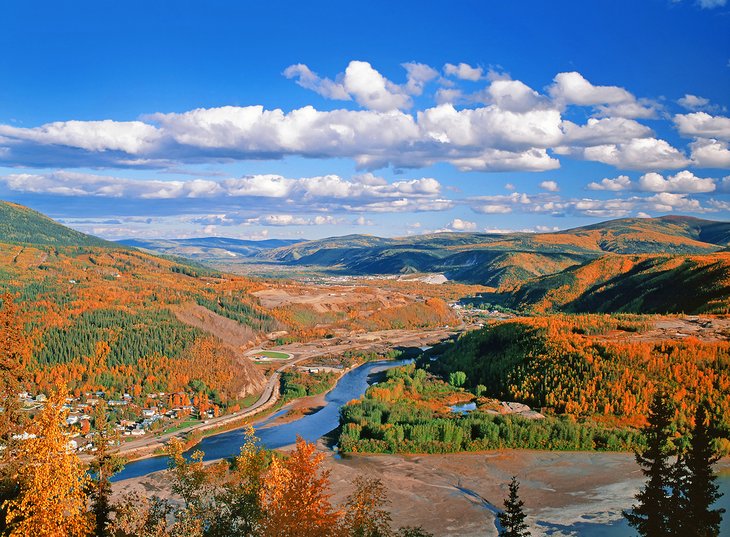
313,426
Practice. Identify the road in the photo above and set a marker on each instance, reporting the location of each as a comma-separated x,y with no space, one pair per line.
379,341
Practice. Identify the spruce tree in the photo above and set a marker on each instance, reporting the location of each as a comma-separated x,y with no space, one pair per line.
103,467
652,516
513,517
699,488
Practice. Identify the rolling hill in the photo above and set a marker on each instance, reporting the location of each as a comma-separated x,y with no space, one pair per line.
109,317
21,225
631,283
505,260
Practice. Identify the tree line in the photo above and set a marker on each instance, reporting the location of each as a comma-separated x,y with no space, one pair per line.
569,365
407,414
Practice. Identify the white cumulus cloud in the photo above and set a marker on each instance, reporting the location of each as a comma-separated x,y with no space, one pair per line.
622,182
550,186
693,102
683,182
573,88
464,71
457,224
703,125
709,153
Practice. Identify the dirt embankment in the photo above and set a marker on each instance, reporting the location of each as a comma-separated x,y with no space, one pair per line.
234,336
708,328
230,332
331,299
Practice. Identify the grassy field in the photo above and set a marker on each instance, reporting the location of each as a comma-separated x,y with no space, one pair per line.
272,354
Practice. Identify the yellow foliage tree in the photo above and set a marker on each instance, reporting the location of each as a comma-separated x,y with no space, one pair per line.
52,481
365,513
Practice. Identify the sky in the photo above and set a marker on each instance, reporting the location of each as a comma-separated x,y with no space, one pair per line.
285,119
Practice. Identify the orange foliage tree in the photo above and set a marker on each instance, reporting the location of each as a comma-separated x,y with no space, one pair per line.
295,496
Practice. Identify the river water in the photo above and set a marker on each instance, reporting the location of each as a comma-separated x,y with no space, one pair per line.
313,426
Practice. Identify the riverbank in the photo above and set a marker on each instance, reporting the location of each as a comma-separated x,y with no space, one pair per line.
565,493
269,401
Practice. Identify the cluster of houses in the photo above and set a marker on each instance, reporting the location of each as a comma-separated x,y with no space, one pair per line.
134,420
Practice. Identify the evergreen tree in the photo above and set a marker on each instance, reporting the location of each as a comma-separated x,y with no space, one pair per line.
651,517
104,466
700,489
513,517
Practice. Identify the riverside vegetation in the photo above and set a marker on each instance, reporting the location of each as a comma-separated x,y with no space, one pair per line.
595,391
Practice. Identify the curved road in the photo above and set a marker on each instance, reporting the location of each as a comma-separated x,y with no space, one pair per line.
380,340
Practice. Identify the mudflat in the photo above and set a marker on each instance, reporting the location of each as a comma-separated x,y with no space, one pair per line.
455,494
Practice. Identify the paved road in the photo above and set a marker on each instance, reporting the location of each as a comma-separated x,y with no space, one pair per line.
380,340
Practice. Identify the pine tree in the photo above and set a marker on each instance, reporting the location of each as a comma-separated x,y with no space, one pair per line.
512,519
103,467
700,489
651,517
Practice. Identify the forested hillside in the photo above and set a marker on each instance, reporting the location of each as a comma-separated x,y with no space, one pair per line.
633,284
592,366
100,317
21,225
592,378
103,319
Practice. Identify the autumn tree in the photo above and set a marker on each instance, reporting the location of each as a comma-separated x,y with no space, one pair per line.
14,352
365,513
239,510
138,516
512,519
52,481
295,496
651,517
196,484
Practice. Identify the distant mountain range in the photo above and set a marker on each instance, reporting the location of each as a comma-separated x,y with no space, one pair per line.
634,264
667,264
208,248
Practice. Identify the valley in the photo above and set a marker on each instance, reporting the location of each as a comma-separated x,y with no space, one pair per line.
555,342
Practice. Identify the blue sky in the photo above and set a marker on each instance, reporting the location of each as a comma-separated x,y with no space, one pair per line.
294,119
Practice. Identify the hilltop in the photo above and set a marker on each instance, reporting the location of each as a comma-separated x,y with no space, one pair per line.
22,225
